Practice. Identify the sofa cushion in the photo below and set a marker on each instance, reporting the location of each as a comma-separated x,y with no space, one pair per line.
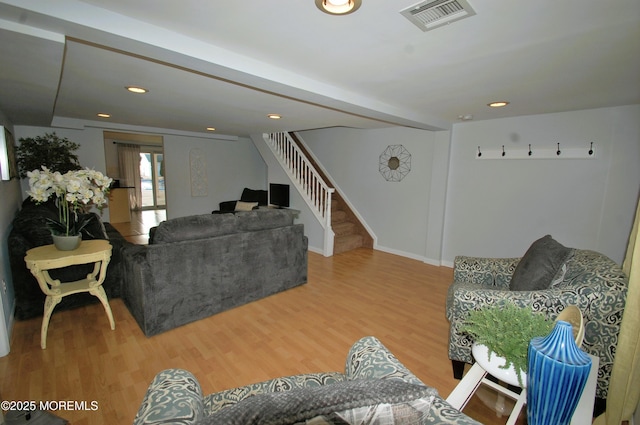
263,219
194,227
539,265
299,405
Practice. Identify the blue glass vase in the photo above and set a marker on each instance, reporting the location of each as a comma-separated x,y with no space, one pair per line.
557,375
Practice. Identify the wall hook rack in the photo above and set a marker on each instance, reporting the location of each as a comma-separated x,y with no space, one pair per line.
504,152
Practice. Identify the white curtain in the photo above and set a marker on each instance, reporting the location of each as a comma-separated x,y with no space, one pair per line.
624,387
129,164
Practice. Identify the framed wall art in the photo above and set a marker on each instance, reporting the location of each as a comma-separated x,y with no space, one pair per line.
394,163
198,168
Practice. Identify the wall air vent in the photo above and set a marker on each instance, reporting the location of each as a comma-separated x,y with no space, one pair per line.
431,14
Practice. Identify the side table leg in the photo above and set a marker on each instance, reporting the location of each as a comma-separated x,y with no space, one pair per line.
462,393
49,304
102,296
520,402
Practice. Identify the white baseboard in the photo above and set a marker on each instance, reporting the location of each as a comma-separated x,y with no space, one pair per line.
7,329
447,264
316,250
400,253
422,258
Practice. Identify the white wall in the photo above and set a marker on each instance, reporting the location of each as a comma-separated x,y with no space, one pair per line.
231,166
397,212
11,199
454,204
498,207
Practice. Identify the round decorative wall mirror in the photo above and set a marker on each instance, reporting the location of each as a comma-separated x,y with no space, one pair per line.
394,163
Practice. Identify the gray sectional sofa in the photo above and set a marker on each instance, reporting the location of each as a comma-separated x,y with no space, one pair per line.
197,266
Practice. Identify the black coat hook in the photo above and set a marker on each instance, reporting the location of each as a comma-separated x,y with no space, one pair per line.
479,153
591,149
530,149
558,151
503,152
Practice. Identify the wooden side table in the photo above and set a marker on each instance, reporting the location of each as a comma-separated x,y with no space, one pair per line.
44,258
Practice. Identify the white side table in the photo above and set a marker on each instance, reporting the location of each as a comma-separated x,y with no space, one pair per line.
476,376
44,258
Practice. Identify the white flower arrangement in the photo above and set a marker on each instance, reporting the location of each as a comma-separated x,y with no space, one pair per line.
74,191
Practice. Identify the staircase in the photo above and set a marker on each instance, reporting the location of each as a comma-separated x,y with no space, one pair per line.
343,229
347,234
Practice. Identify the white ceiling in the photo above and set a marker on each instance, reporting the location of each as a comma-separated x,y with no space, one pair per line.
228,64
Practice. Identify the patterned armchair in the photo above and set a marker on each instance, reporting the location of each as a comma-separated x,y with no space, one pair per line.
175,396
587,279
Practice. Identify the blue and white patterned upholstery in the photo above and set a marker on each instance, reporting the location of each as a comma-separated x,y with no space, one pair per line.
218,401
369,359
175,397
589,280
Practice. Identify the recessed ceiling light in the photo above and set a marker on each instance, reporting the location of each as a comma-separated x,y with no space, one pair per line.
274,116
338,7
103,115
137,90
211,129
498,104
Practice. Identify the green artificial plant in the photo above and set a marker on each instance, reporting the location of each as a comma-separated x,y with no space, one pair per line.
506,330
55,153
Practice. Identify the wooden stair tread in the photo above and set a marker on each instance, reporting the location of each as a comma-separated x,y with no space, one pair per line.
338,216
343,228
346,243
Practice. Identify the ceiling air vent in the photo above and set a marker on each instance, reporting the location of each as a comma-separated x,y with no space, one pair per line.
431,14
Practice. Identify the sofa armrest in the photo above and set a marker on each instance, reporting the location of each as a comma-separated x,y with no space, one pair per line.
484,271
174,396
137,276
463,298
369,359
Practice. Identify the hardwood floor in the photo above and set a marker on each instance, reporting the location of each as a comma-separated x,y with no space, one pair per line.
306,329
137,230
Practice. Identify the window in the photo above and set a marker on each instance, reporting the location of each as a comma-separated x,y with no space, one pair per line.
152,180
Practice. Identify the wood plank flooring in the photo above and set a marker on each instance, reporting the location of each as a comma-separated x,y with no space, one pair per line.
137,230
306,329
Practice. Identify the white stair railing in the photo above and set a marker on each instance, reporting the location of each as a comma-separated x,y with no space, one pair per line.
314,190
